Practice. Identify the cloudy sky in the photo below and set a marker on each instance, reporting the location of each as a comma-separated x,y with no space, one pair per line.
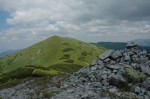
25,22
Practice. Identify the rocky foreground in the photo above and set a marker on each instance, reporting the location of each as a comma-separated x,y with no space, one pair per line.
121,74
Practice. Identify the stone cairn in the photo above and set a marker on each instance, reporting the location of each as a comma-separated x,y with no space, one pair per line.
120,74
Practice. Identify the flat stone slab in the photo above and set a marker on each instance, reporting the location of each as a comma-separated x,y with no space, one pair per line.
106,54
116,54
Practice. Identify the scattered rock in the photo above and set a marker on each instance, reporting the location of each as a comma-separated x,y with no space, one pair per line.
145,69
127,57
116,54
137,90
113,67
93,68
118,80
148,93
70,91
112,90
94,62
121,74
126,70
146,84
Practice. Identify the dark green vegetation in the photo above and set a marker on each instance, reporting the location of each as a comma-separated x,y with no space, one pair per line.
134,76
51,57
118,45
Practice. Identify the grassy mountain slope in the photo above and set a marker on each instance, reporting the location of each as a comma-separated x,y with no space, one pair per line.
118,45
50,52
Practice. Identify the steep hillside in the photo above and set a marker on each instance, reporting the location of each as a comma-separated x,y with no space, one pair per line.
53,51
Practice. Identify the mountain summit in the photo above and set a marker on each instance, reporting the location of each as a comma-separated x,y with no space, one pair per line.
52,51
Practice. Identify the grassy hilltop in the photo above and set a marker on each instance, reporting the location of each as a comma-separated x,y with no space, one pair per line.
50,57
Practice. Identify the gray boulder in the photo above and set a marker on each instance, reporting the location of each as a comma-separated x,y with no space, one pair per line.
148,93
131,45
107,60
118,80
106,54
146,84
116,54
113,67
127,57
145,69
137,90
94,62
82,79
93,68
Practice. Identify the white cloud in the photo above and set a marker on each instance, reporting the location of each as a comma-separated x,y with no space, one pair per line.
97,20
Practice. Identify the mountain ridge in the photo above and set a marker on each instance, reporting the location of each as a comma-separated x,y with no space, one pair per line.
49,52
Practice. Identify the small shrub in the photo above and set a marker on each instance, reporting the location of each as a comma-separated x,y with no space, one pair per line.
67,68
16,74
9,83
66,56
49,94
106,93
39,72
67,49
81,58
69,61
84,53
134,76
65,43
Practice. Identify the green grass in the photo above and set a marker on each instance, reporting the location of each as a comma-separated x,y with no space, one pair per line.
52,51
9,83
19,73
51,57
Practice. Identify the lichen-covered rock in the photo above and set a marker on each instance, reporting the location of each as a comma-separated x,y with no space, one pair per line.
118,80
134,76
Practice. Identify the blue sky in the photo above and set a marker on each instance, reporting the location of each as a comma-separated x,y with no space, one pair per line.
3,17
26,22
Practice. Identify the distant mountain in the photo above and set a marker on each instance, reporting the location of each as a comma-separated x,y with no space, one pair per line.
118,45
142,42
7,52
112,45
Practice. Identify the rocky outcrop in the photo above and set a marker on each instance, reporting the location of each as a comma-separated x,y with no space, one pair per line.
121,74
38,88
